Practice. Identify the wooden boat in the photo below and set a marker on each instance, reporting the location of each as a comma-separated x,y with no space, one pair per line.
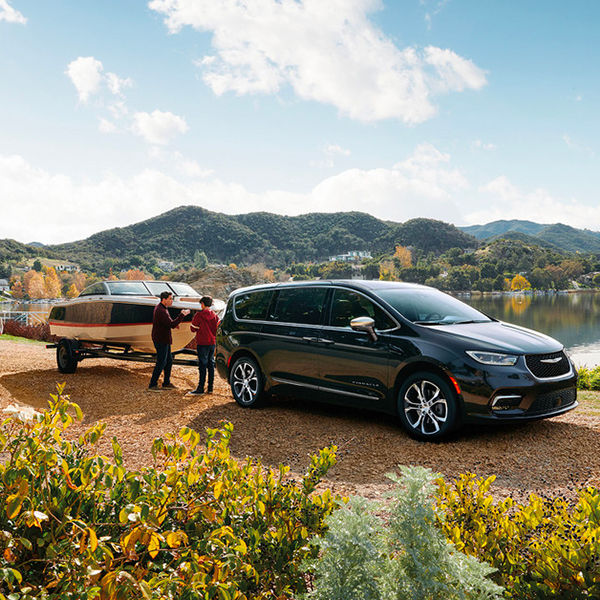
119,313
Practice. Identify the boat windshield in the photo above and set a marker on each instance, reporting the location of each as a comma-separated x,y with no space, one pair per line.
183,289
431,307
127,288
156,287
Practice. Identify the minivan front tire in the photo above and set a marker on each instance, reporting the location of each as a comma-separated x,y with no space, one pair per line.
427,406
247,383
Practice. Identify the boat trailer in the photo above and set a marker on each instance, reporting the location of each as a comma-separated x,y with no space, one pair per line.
69,353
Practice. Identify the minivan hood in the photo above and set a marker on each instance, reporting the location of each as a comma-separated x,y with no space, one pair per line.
500,337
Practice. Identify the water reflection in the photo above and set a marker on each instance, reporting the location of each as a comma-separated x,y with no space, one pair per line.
573,319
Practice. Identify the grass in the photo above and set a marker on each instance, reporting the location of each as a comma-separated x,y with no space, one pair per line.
16,338
589,402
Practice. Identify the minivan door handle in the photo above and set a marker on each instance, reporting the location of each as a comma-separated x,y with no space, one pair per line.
325,341
310,339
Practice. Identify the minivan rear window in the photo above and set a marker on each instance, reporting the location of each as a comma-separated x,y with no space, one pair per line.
302,305
253,305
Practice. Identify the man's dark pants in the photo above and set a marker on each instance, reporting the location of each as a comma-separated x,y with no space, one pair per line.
206,362
164,360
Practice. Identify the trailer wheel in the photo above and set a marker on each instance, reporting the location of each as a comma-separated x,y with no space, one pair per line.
65,356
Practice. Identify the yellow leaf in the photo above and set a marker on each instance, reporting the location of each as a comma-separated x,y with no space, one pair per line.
217,489
176,538
93,539
13,505
153,545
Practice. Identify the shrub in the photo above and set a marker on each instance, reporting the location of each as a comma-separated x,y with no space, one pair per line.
588,379
76,525
39,331
363,559
544,549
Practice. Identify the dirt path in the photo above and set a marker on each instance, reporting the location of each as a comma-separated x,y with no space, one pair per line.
553,456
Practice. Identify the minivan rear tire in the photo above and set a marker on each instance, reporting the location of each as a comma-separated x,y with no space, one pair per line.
427,406
247,383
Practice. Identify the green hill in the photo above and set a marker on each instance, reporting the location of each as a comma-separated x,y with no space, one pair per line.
273,239
498,228
556,236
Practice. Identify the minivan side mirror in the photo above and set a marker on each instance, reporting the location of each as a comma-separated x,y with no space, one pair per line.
364,324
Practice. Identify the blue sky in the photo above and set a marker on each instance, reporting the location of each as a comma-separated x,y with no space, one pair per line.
466,111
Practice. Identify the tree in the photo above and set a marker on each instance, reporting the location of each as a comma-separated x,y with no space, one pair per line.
37,265
403,256
33,282
16,287
519,283
72,291
52,286
337,270
200,259
135,274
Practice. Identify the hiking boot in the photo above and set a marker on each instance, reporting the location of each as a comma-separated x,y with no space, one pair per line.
169,386
154,388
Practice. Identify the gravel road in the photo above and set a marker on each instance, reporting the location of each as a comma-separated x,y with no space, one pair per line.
553,456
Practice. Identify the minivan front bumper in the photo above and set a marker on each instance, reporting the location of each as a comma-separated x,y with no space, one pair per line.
515,394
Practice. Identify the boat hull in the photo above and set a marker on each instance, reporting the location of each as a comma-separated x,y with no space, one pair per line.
118,322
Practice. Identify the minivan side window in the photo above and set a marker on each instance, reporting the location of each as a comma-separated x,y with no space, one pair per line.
253,305
303,305
347,305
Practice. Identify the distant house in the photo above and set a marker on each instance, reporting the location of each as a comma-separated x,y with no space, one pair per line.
4,285
352,256
68,267
166,265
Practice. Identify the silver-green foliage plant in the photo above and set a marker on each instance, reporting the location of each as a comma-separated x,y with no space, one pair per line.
400,555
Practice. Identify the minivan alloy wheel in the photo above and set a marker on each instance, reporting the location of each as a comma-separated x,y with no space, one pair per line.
427,407
246,382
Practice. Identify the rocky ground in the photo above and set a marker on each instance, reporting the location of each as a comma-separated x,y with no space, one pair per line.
553,456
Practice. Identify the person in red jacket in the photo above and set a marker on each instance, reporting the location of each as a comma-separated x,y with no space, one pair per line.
204,324
162,340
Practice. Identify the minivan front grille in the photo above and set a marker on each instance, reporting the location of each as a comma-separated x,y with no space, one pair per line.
550,401
546,366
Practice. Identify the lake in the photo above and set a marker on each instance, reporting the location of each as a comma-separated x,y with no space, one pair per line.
573,319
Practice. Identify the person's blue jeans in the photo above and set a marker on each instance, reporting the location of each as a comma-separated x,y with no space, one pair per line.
206,363
164,361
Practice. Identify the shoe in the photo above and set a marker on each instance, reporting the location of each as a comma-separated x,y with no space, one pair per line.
196,392
154,388
169,386
209,391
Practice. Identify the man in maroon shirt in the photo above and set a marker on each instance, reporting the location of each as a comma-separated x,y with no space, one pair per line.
205,324
162,339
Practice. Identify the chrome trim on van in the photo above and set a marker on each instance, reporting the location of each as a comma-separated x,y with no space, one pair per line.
323,389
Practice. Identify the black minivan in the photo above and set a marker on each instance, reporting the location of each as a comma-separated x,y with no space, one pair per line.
401,348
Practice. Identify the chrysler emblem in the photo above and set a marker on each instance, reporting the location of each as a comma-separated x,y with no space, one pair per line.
551,360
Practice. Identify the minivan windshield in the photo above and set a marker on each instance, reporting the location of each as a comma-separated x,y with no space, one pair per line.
430,307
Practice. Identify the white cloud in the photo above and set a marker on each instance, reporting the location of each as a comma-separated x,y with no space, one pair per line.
329,52
333,149
483,145
501,199
86,75
578,147
105,126
9,14
425,184
158,127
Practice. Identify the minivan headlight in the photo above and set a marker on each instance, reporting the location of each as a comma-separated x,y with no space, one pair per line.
493,358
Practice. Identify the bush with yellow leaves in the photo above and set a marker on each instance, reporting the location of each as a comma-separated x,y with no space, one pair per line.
197,524
548,548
